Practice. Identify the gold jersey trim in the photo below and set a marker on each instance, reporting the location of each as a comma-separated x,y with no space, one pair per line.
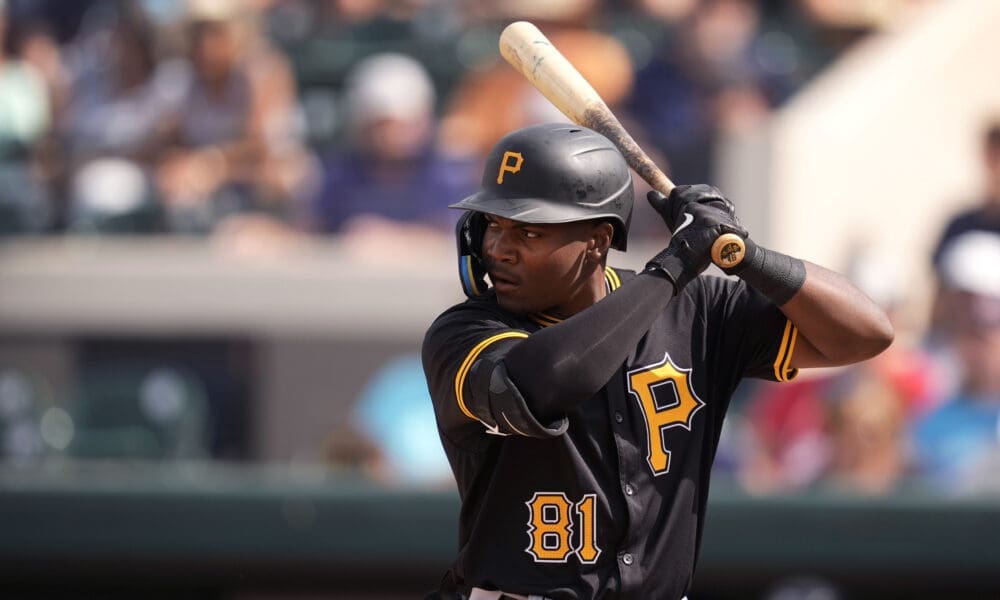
471,358
613,282
783,371
545,320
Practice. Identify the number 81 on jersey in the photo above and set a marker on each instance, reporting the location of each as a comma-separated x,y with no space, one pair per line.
550,528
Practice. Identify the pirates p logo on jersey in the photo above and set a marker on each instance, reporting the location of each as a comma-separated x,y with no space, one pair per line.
667,400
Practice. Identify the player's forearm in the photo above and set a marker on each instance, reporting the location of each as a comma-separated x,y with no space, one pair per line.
563,365
837,323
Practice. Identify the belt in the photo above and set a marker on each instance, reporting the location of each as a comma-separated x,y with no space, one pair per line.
481,594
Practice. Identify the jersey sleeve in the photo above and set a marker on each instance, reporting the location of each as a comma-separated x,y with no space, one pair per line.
462,358
756,339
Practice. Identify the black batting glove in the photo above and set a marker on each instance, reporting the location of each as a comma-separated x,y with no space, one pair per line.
696,215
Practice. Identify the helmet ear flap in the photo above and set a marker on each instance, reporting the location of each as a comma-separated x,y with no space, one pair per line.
469,234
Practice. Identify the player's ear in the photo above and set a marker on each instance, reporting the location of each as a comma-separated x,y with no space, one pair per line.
602,235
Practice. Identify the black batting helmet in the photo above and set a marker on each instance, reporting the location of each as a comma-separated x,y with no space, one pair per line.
556,173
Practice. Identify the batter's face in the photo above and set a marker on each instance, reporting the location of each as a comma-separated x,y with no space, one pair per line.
552,268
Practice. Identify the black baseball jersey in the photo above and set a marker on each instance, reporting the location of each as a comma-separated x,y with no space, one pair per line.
608,502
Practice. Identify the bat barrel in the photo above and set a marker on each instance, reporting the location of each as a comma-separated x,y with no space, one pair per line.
527,49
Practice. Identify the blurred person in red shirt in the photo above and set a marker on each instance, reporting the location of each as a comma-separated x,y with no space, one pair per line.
847,428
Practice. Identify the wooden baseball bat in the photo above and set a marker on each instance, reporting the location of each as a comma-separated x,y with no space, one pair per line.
527,49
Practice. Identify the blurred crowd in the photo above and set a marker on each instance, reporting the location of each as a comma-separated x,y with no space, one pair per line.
261,120
336,116
926,410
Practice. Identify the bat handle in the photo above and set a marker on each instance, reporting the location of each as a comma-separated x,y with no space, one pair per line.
728,249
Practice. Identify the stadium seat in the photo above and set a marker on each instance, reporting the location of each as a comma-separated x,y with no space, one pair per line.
139,412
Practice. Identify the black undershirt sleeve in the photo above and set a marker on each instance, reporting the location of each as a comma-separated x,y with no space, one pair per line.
565,364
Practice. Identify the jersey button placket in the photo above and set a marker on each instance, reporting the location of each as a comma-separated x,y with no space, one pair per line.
631,463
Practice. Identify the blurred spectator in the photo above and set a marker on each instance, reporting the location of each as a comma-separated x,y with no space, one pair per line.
868,436
715,70
349,451
38,46
25,119
391,185
62,19
983,216
326,40
491,101
787,443
574,13
666,12
122,94
112,195
121,97
231,145
906,366
849,428
848,431
289,173
958,439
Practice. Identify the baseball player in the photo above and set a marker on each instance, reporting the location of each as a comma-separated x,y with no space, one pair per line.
580,405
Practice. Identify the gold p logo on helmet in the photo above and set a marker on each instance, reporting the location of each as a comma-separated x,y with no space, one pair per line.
506,166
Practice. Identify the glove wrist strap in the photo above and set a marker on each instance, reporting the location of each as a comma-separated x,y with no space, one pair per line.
776,275
668,265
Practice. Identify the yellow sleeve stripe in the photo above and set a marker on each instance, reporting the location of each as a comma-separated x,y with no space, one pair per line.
783,370
614,282
545,320
471,358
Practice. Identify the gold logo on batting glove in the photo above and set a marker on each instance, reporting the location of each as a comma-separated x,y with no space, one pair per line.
506,166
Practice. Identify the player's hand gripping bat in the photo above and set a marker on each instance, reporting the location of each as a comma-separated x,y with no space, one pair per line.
531,53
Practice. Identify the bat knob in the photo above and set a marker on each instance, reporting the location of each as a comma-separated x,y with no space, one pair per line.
728,250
